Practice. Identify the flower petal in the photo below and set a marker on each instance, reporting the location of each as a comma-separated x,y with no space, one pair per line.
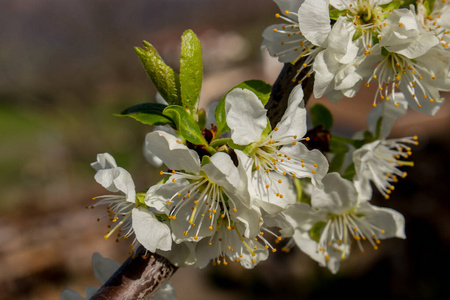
314,20
246,116
172,152
150,232
293,121
337,196
104,161
103,267
386,219
222,171
117,179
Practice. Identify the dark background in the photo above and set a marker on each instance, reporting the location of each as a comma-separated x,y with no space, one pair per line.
67,66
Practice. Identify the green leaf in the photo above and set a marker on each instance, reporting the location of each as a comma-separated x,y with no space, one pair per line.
315,231
148,113
205,160
187,127
163,77
399,3
335,13
428,4
320,115
191,70
261,89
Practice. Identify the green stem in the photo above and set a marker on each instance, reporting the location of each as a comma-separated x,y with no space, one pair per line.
219,142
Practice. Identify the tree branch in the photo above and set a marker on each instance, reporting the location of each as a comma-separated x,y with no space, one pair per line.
139,278
282,88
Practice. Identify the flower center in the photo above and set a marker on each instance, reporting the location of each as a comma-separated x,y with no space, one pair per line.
388,156
208,201
338,231
395,69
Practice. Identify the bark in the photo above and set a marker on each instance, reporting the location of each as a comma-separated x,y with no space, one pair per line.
282,88
139,278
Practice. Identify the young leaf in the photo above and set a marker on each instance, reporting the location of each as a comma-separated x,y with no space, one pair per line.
191,70
320,115
335,14
428,4
163,77
185,124
261,89
148,113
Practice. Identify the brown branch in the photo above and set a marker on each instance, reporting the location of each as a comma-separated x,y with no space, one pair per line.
140,278
282,88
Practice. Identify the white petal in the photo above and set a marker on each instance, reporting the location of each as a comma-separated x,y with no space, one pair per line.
280,44
158,194
150,232
293,121
325,67
149,156
104,161
117,179
103,267
389,112
246,116
387,219
69,294
337,196
310,158
302,216
167,292
314,20
222,171
172,152
181,255
289,5
309,246
91,291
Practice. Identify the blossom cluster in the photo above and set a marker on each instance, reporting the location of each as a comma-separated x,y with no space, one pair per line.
235,187
397,46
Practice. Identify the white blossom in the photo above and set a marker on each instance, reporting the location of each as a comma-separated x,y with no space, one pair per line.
378,162
437,20
207,203
337,219
276,153
286,41
410,60
128,215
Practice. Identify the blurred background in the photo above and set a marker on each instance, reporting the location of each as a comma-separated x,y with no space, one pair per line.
67,66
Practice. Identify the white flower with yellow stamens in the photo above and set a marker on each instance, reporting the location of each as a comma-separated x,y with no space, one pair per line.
339,65
437,20
410,59
337,219
285,41
276,153
205,201
128,215
378,162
